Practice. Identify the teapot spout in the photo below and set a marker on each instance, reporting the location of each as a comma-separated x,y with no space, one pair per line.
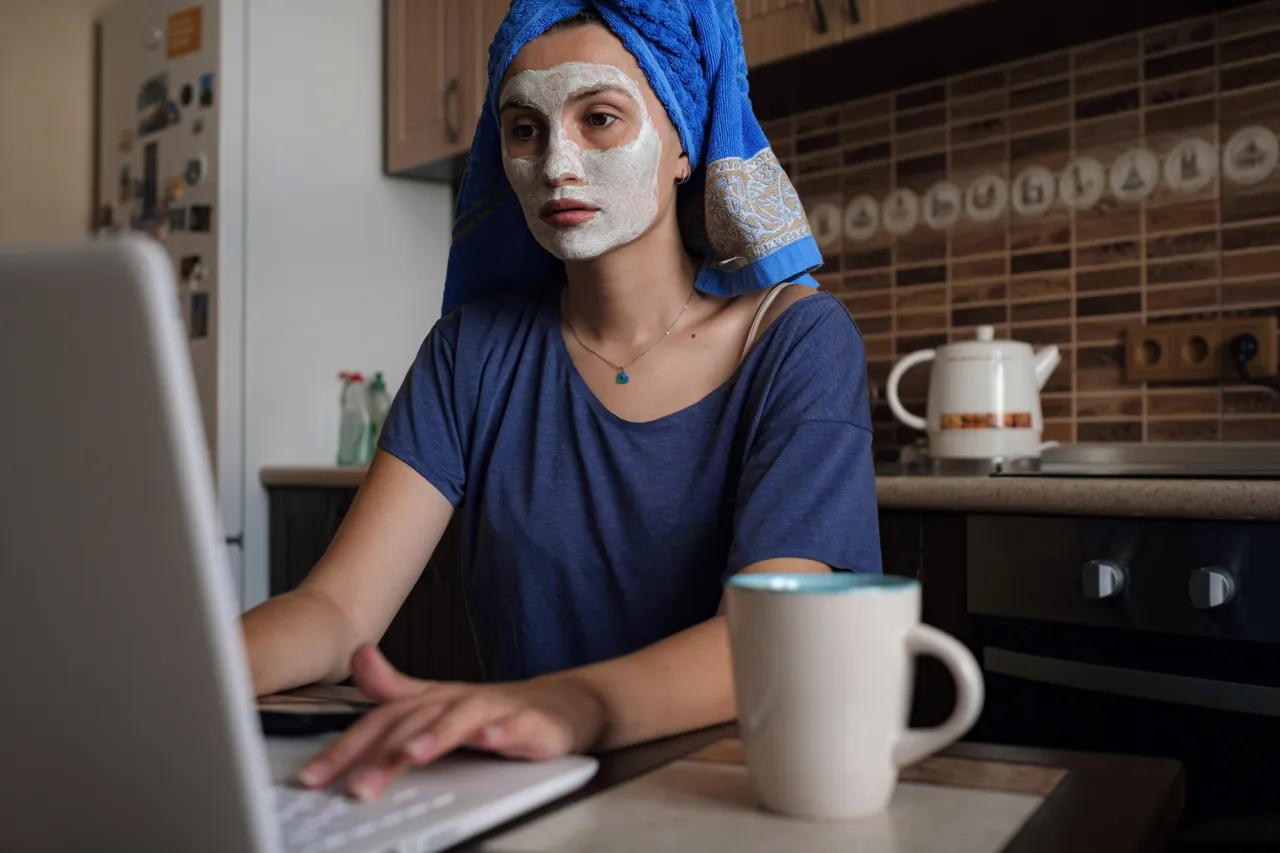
1045,361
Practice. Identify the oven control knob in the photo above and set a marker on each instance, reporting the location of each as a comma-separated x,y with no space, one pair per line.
1102,578
1211,587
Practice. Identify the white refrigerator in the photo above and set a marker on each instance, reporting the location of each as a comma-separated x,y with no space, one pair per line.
246,137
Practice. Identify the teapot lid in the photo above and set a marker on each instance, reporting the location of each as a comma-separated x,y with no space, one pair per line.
985,333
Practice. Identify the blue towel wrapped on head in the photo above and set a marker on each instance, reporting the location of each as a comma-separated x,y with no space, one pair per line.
739,209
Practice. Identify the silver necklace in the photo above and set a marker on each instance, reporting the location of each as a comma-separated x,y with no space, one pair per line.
622,377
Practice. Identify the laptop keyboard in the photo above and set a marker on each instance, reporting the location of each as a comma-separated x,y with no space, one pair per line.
317,821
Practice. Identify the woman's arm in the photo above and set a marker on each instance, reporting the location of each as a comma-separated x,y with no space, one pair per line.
682,683
309,634
679,684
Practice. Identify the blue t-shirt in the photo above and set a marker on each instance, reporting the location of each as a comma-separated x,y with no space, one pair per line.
586,536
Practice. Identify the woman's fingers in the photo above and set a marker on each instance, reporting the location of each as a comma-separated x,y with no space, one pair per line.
338,757
460,725
393,748
529,734
379,680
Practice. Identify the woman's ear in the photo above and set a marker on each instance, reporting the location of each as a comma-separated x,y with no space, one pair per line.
683,171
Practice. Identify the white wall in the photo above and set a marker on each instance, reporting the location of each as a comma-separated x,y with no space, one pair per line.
345,267
46,118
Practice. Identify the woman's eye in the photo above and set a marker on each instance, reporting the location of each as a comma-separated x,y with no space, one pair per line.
524,132
599,120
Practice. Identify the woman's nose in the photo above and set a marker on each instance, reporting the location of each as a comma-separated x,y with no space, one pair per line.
563,162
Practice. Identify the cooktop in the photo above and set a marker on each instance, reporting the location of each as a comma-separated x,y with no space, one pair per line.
1182,460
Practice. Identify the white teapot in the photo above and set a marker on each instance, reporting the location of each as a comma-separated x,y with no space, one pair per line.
984,396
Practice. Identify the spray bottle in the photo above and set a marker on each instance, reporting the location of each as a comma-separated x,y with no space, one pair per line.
353,426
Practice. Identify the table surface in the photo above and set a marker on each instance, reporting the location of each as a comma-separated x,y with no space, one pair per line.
1092,801
1095,802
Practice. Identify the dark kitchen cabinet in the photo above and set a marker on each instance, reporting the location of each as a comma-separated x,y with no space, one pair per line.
431,635
930,546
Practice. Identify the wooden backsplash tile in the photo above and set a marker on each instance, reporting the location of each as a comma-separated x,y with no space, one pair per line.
1053,274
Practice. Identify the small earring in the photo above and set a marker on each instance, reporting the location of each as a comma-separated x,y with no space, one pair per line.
683,181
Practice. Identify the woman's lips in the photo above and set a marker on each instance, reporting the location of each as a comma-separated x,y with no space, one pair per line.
563,213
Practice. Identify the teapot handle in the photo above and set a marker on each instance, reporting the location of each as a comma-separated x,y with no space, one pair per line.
891,389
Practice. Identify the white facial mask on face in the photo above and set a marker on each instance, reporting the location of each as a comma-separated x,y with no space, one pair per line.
622,182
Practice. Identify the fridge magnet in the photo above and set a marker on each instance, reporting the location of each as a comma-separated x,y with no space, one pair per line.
150,177
153,105
197,127
177,219
1082,183
861,218
175,115
187,94
126,141
942,205
986,199
1033,191
1134,175
174,188
151,224
183,32
200,218
106,217
901,212
187,266
126,185
197,166
206,90
1250,155
199,315
1190,166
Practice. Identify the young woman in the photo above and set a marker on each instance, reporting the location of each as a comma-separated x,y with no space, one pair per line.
626,403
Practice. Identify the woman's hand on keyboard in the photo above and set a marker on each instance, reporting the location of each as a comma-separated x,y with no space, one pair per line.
420,721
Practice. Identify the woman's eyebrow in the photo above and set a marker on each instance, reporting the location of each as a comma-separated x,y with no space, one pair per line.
599,90
516,103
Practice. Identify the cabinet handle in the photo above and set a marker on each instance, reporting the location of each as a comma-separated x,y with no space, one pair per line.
855,14
450,95
820,10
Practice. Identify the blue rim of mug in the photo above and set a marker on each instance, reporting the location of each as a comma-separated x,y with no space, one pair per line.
822,583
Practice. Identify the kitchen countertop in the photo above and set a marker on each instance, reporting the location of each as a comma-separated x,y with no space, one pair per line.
1156,498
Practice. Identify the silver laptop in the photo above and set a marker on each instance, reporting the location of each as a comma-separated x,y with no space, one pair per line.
127,722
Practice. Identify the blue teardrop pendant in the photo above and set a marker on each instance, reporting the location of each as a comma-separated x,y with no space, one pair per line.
623,378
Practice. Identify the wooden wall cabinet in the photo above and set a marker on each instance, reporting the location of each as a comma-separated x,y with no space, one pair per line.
892,13
436,71
774,30
777,29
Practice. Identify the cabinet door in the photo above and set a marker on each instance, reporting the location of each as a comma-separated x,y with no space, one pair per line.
774,29
778,29
491,14
431,84
891,13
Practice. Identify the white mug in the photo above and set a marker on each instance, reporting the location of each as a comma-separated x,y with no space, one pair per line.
823,669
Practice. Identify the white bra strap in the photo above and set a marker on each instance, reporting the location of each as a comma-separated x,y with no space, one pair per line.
760,312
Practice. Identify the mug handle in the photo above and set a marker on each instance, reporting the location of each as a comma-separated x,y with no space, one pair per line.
895,376
915,744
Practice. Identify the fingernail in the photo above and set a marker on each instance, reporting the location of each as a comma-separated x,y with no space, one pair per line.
421,747
363,787
312,774
493,733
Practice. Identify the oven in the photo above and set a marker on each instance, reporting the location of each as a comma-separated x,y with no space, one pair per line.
1137,635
